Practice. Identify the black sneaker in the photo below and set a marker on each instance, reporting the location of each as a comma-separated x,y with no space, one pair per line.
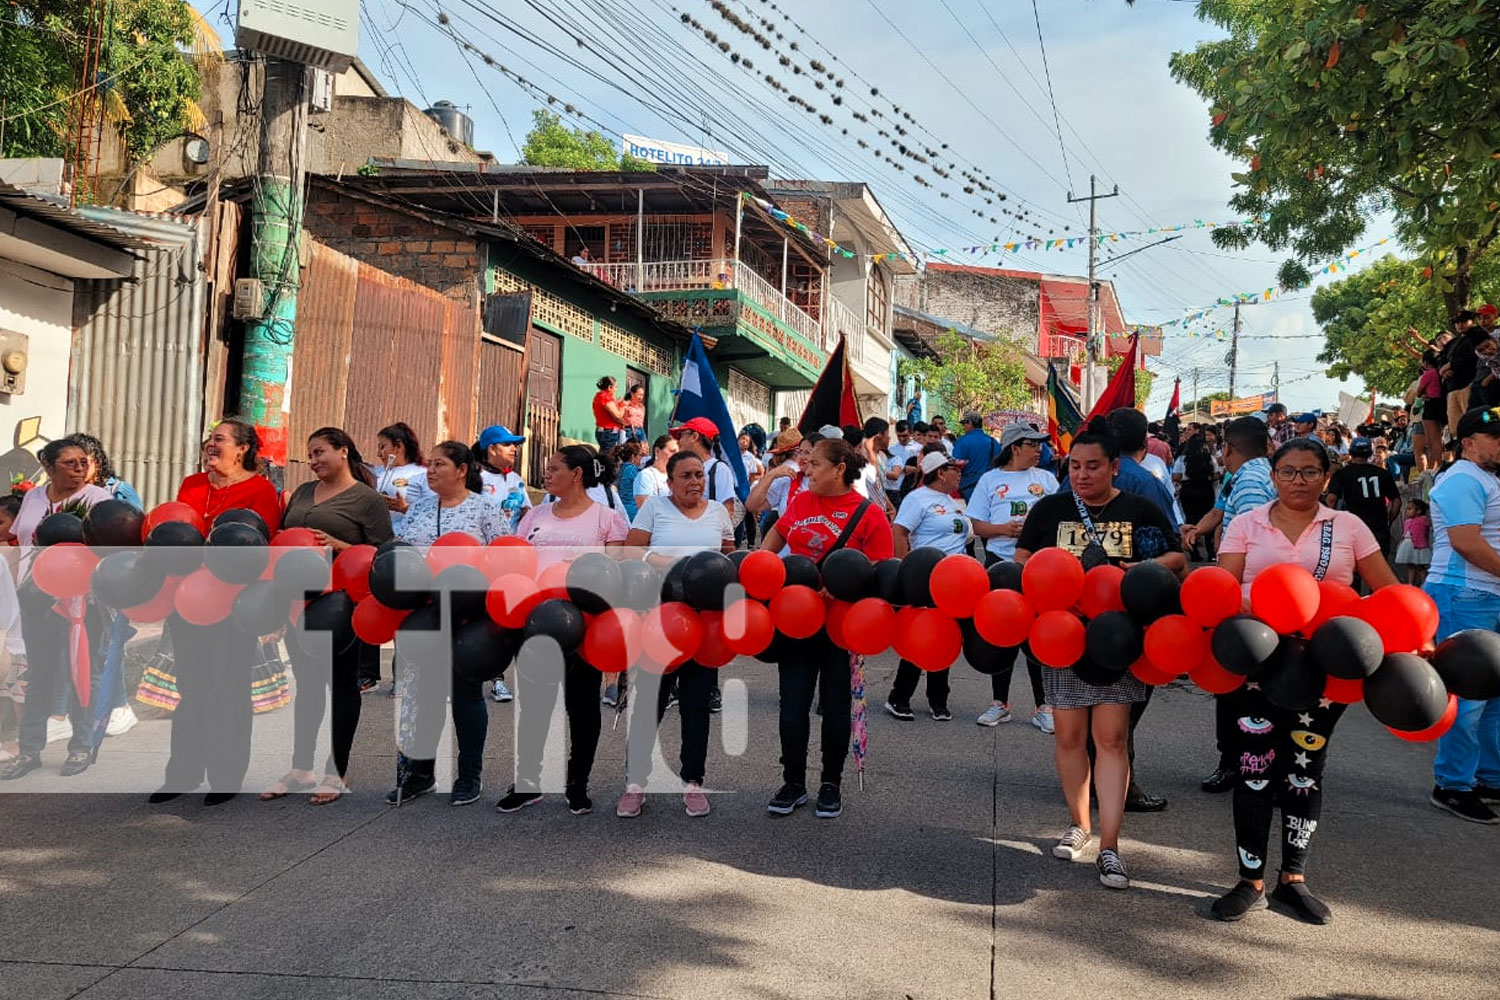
465,791
1296,897
902,712
830,802
715,701
21,767
1487,793
579,803
942,714
415,786
1237,902
76,763
369,684
1222,780
786,799
1464,805
515,801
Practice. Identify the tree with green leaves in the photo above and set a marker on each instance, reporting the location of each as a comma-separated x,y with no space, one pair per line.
550,143
1144,378
1344,109
1202,405
969,375
146,87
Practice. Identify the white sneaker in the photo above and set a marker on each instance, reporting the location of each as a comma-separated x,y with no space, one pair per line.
1042,718
1073,844
500,692
121,720
59,729
994,715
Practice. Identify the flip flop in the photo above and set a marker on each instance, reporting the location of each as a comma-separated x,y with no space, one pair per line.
286,786
329,786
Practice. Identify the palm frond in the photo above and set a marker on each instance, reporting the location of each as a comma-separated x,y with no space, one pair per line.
115,111
192,113
206,48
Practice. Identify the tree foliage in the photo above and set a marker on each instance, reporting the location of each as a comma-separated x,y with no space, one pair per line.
147,84
550,143
1345,108
969,375
1144,379
1202,405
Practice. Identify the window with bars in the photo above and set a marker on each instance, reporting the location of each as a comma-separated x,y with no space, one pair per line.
804,287
877,299
546,235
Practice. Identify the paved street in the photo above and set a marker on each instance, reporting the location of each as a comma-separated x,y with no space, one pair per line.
936,883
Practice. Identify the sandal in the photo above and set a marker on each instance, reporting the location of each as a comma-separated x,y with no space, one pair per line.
329,790
287,785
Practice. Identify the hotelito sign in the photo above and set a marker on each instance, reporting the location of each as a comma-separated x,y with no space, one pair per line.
659,151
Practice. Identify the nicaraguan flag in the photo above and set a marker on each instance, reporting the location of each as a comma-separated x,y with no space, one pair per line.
699,396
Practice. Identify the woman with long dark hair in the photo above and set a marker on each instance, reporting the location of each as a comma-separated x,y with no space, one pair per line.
609,415
1197,490
400,472
342,509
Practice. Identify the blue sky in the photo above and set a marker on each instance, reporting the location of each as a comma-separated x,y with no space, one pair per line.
1122,117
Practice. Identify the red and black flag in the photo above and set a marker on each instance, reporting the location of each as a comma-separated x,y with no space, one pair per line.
832,399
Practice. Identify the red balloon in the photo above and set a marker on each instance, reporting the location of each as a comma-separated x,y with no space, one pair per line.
613,641
553,582
903,638
172,511
1149,673
1334,599
1434,731
1052,580
713,650
1343,691
204,599
1285,597
351,571
958,582
1213,678
1405,617
1056,636
1101,591
798,611
762,574
1174,643
456,548
510,599
509,554
1210,595
375,623
289,537
939,642
159,607
833,621
1003,618
670,634
748,628
63,570
869,626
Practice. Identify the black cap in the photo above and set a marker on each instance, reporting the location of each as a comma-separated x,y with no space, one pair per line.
1481,420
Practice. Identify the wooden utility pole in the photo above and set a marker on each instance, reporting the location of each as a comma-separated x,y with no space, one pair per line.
1234,350
1090,389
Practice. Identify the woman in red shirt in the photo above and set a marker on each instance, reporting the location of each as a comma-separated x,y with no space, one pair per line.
609,415
211,725
825,516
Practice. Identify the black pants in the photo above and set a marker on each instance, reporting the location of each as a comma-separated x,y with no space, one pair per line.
905,685
211,725
1281,757
340,678
692,682
1000,683
369,663
814,666
539,668
49,671
1226,711
434,690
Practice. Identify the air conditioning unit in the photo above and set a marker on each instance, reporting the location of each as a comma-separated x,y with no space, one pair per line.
321,33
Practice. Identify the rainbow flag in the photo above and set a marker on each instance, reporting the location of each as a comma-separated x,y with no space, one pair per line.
1063,414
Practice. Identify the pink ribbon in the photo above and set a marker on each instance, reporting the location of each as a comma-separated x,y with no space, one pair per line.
73,609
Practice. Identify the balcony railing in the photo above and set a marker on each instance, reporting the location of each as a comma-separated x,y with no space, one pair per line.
760,290
1062,346
841,322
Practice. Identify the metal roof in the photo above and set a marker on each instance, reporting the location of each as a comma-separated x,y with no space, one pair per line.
55,210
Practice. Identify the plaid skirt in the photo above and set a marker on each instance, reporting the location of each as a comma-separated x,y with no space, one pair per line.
1065,689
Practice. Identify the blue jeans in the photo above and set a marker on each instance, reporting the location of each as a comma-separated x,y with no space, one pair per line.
608,438
1400,465
1470,751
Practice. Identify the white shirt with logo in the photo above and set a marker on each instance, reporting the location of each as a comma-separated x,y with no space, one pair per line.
934,519
1001,497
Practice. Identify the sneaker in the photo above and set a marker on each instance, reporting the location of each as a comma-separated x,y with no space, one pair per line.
1112,874
369,684
631,803
611,695
830,802
786,799
121,720
1298,898
579,803
466,791
500,692
715,701
994,715
694,802
514,801
1237,902
1073,844
940,714
1464,805
415,786
1487,793
1042,718
59,729
26,763
902,712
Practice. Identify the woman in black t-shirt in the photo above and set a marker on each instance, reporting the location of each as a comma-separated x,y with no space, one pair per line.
1100,524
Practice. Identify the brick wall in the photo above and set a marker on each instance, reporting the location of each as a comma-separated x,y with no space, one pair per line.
409,247
998,304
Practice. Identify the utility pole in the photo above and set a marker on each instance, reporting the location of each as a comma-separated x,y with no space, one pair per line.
1195,394
1276,377
1234,350
1090,391
275,232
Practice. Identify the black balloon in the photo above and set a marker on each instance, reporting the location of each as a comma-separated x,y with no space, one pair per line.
391,543
738,556
466,587
1406,693
400,578
1347,647
802,572
126,580
773,652
1292,679
301,574
848,575
705,578
113,524
236,553
1243,644
175,547
1005,575
982,656
640,585
1150,591
1090,671
671,583
1113,640
481,649
1469,663
332,613
888,581
594,582
58,528
916,575
419,641
260,609
561,620
245,516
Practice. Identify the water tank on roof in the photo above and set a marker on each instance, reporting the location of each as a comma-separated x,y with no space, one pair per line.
459,125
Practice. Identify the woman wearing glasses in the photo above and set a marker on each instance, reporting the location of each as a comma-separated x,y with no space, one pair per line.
1282,753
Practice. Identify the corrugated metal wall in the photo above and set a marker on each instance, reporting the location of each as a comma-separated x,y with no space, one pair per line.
499,387
137,377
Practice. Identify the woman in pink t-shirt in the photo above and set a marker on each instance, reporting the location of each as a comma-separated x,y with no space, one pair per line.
1281,753
568,527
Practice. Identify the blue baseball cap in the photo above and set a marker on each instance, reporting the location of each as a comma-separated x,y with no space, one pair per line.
497,434
1305,418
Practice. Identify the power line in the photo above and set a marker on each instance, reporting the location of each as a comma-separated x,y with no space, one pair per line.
1056,122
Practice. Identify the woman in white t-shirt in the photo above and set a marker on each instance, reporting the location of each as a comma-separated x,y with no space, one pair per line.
496,451
1002,498
652,481
400,473
674,527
